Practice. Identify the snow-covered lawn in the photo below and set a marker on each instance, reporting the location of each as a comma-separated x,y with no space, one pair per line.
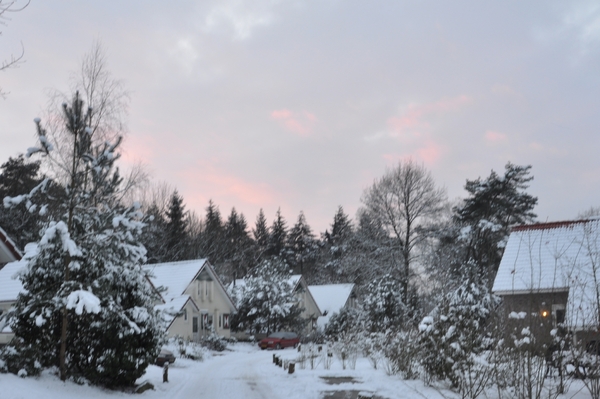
244,372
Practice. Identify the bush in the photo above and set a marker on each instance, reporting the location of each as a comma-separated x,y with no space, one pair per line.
214,342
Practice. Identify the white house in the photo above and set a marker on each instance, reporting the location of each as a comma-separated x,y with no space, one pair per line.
551,271
331,298
193,296
9,287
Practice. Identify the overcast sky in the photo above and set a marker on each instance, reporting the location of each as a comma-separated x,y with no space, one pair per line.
301,104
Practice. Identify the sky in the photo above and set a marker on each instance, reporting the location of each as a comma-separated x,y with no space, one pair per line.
300,105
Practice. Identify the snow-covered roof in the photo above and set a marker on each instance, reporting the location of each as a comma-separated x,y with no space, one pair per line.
170,309
8,249
330,298
10,286
294,280
554,257
175,277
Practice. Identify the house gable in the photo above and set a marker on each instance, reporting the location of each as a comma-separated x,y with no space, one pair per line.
332,298
195,282
555,265
8,249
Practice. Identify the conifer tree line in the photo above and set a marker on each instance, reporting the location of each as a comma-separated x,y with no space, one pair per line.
406,229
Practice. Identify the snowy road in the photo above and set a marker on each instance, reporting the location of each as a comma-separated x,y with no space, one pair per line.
232,375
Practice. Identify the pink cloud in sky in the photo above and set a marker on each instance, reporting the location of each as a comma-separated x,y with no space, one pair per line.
429,154
300,123
494,137
414,121
220,184
139,148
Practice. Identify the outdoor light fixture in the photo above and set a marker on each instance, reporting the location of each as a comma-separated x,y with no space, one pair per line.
545,313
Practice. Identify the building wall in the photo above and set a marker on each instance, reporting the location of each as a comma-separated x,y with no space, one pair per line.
182,325
212,301
542,312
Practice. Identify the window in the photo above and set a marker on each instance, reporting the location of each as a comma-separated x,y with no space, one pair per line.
185,314
207,321
226,321
195,324
558,311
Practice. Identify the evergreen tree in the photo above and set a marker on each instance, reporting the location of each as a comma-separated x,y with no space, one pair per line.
238,244
261,236
86,305
176,229
335,249
302,247
154,236
485,217
277,237
383,305
212,236
455,341
266,303
16,177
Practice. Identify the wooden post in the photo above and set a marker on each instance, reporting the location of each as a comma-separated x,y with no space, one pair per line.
291,368
274,359
166,372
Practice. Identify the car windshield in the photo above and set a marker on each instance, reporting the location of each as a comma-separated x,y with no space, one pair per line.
277,335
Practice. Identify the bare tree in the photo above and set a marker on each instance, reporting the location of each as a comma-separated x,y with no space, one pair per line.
404,200
13,60
106,97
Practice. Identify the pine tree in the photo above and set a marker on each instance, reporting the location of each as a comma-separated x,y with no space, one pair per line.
485,217
16,177
277,237
238,243
176,229
455,341
212,236
267,302
384,306
154,236
301,247
261,236
86,305
335,249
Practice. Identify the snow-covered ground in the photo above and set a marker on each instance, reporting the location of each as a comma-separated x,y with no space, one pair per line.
244,372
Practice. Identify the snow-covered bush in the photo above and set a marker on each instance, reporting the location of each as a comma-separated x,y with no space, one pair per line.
186,349
267,303
214,342
344,322
401,353
347,349
383,305
454,341
86,305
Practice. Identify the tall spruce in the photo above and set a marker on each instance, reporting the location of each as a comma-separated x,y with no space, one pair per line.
238,245
277,237
335,249
212,235
86,306
176,229
302,247
260,232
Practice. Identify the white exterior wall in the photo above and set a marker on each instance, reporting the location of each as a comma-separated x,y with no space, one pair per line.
212,300
182,327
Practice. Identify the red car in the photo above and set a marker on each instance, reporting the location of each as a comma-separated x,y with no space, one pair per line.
280,340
